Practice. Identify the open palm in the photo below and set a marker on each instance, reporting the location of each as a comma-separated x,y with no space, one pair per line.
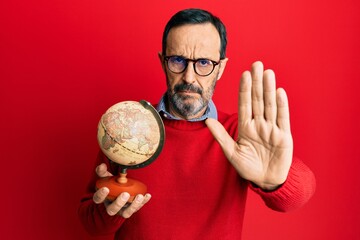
263,152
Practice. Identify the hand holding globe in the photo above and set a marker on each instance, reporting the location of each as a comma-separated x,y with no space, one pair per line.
132,135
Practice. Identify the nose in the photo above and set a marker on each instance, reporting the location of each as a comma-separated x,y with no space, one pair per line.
189,76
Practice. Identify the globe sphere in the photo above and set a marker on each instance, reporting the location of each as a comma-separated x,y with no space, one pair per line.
131,133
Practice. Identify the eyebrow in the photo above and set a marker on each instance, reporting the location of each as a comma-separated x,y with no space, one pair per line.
208,58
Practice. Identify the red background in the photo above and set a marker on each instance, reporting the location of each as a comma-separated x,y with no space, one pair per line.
64,62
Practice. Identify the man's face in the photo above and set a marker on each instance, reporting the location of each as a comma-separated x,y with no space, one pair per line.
189,93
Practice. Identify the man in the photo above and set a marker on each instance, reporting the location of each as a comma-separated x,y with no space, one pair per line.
198,186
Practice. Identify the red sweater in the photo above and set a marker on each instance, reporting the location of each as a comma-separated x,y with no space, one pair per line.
196,193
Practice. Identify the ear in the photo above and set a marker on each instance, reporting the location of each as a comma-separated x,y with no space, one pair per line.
222,66
161,58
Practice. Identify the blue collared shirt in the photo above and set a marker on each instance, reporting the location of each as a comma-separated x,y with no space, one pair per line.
210,112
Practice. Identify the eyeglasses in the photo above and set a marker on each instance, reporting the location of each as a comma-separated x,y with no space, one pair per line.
202,66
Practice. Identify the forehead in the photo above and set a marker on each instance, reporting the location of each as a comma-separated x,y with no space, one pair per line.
194,41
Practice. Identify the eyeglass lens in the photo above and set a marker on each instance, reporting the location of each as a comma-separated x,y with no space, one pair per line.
202,67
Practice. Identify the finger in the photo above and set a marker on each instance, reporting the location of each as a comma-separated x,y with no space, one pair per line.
138,203
270,96
102,171
114,207
283,115
245,112
221,136
100,195
257,94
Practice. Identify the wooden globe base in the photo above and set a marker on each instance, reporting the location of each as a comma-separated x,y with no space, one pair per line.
120,184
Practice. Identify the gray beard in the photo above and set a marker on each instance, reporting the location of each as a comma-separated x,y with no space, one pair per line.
187,110
179,102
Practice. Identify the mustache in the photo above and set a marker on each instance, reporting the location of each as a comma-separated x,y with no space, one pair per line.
187,87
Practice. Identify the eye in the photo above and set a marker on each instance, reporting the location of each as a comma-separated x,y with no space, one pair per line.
177,60
204,63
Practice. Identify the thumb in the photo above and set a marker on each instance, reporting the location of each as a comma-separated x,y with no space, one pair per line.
221,136
102,171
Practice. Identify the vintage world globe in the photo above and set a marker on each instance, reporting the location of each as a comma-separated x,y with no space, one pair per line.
131,133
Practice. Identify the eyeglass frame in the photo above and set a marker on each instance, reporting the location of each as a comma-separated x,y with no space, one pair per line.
187,60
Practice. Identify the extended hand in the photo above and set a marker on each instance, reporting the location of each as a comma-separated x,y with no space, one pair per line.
119,205
263,151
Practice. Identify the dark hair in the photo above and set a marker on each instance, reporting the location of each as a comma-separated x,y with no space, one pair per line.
196,16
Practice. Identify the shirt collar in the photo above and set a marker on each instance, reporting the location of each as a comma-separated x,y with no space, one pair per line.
211,111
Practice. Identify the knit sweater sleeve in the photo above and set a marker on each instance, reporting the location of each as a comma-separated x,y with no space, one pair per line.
94,216
294,193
